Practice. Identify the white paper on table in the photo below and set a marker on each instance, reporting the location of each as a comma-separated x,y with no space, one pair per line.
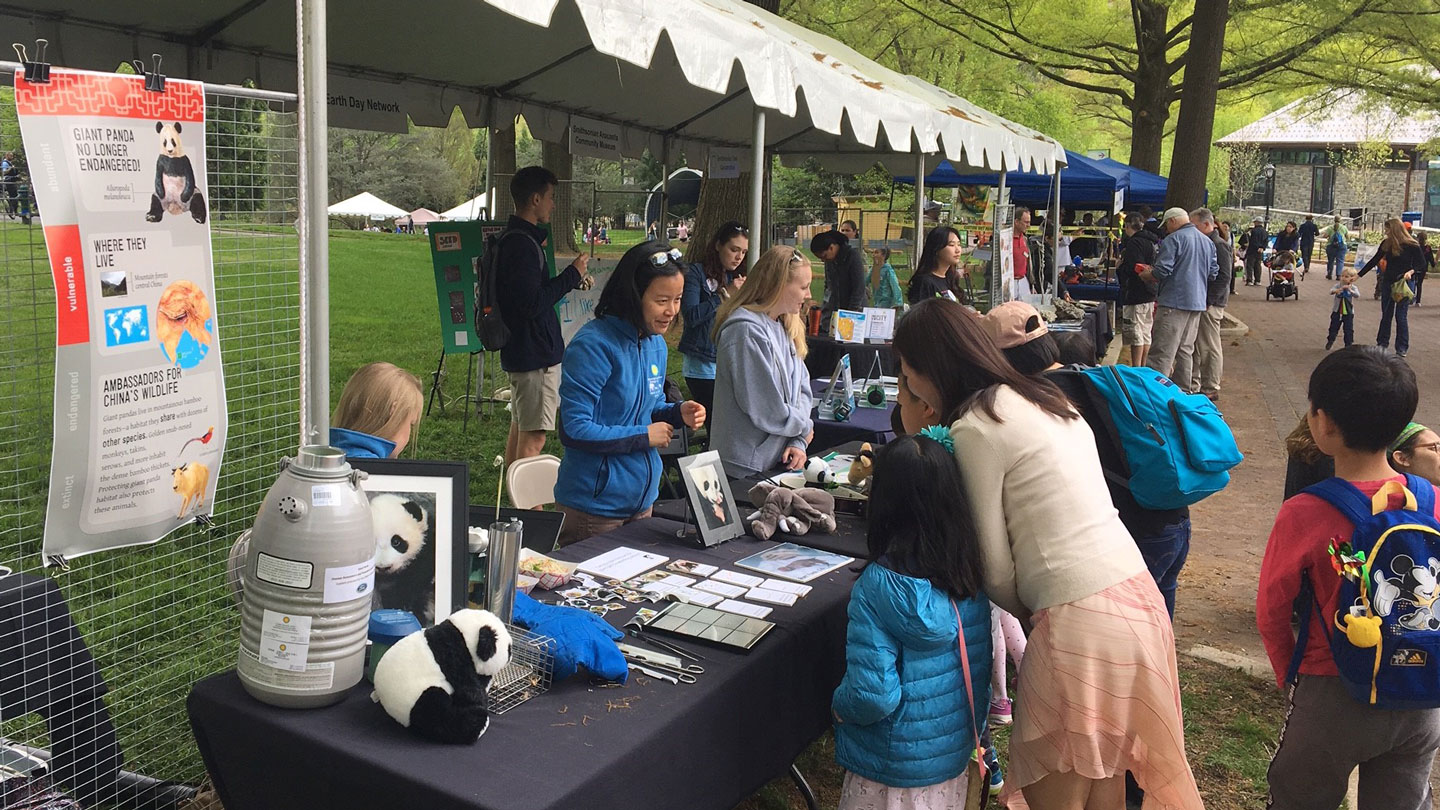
621,563
737,578
695,597
772,597
721,588
743,609
879,324
786,587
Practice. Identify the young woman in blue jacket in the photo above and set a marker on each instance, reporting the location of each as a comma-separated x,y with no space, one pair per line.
613,414
916,692
708,283
377,412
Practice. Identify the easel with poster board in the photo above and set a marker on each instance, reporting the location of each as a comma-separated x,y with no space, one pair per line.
455,251
1001,281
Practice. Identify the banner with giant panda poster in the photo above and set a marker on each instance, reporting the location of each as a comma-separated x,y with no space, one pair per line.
140,421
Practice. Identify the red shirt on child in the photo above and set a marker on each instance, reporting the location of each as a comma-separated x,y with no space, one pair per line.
1304,529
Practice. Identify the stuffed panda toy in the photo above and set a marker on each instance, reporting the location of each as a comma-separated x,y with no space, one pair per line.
175,190
433,681
817,472
404,561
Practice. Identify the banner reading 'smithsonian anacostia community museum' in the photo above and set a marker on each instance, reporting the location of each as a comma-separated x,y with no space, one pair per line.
140,423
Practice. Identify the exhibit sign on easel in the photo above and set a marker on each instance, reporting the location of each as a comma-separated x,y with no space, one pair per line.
140,421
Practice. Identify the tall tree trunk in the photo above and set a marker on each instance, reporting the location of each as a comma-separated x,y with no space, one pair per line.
1190,164
720,201
557,158
502,168
1150,108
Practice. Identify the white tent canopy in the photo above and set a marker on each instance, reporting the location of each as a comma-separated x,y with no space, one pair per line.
468,210
365,205
623,61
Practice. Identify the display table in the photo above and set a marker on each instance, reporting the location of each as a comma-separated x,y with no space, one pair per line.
864,425
824,352
648,745
1109,293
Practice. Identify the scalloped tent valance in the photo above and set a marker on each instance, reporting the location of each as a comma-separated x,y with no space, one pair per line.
690,71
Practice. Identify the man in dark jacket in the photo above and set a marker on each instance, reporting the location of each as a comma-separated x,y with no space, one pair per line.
1308,231
527,295
1255,252
1209,363
845,286
1137,296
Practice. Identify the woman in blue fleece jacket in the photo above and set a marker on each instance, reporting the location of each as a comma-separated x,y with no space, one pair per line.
906,722
613,414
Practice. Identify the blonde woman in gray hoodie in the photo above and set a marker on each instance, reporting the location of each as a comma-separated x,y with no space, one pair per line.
762,389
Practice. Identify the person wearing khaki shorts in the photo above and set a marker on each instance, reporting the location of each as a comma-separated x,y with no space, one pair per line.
1137,297
534,398
527,295
1137,322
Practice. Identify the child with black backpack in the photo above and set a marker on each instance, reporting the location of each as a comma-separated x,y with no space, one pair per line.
1355,556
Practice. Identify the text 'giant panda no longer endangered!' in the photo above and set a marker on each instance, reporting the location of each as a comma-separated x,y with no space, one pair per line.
175,191
433,681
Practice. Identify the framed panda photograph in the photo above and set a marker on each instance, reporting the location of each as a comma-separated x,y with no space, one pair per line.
717,516
422,555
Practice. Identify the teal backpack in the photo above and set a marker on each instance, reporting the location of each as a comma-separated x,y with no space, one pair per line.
1177,445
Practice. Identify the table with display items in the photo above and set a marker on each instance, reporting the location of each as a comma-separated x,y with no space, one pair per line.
649,744
823,352
872,425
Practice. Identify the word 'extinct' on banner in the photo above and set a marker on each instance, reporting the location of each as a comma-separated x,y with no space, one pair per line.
140,421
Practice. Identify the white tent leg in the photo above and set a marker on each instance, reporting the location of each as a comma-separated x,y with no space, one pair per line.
314,224
919,211
1055,248
757,186
662,229
998,265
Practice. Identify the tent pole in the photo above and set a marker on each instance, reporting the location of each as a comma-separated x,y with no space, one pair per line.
757,185
489,173
662,229
995,262
1055,248
314,224
919,211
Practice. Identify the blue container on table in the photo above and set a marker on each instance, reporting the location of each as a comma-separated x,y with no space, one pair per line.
387,627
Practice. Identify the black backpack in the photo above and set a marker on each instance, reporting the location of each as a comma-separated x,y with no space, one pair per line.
489,326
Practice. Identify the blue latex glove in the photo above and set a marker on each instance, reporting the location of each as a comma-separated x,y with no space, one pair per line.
582,639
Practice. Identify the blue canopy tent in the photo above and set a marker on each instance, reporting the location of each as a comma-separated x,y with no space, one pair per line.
1146,188
1084,183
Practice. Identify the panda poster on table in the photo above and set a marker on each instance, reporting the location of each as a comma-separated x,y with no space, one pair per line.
140,420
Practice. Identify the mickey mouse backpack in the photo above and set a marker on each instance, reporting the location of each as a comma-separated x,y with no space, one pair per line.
1385,634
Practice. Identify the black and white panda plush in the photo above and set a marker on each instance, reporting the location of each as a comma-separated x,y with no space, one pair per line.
175,190
433,681
404,555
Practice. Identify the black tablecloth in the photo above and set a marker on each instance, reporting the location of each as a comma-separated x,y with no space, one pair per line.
707,745
825,352
864,425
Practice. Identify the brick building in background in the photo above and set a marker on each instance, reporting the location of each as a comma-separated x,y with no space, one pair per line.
1330,156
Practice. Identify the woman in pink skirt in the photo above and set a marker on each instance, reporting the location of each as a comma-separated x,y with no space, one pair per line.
1098,691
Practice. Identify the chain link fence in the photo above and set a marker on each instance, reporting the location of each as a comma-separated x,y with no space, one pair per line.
160,617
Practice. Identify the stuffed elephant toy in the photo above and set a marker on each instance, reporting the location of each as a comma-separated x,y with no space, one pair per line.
791,511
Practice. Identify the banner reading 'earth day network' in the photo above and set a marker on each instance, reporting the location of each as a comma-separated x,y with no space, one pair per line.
140,422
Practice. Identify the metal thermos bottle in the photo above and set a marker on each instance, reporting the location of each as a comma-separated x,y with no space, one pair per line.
309,580
504,567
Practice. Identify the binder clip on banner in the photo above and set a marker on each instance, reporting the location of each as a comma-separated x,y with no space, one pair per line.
37,71
839,400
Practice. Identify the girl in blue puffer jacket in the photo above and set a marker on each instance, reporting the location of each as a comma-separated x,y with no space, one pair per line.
906,720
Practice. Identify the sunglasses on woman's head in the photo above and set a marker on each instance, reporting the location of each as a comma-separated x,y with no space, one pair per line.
666,256
738,229
796,258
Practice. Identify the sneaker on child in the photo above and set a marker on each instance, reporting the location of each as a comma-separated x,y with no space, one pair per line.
1001,712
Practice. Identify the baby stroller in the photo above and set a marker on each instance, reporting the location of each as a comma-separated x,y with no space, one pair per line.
1282,277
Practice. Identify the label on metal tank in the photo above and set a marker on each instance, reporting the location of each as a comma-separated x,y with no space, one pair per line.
315,676
326,494
284,640
348,582
280,571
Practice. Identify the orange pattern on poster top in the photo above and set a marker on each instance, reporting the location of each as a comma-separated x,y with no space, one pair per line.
67,264
83,92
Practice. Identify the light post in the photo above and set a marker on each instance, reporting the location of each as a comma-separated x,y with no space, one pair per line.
1269,173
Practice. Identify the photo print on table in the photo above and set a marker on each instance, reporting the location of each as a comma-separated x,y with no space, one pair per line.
717,516
417,509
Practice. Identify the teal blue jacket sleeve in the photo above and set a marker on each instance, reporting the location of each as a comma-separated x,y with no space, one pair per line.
583,375
870,690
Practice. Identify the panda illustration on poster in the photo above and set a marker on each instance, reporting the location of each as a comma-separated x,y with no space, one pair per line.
175,192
